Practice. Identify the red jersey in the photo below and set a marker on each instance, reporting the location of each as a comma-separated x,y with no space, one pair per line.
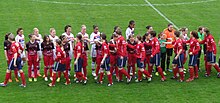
148,47
66,48
78,49
7,46
121,46
140,51
105,49
32,48
194,46
155,44
15,48
60,55
112,47
210,42
129,49
178,45
47,48
99,51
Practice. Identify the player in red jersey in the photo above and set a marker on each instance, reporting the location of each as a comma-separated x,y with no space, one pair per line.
9,56
98,48
148,50
15,62
155,56
105,61
131,55
78,63
179,56
210,52
47,47
60,63
113,55
32,48
194,48
122,56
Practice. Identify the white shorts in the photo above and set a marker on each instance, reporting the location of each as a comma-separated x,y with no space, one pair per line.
93,52
23,55
71,54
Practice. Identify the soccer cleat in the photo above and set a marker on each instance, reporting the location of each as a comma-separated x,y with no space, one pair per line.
58,79
218,75
196,77
99,82
128,80
189,80
30,79
10,80
77,81
45,79
120,80
51,78
3,85
66,83
22,85
109,84
39,75
206,75
174,78
19,74
163,79
50,85
96,77
149,80
93,74
157,74
164,73
170,70
35,79
44,76
137,81
180,80
16,79
84,82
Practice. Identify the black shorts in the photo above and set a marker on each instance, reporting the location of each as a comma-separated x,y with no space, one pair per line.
169,51
59,67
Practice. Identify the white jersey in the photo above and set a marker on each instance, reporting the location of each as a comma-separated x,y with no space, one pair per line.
39,40
129,31
93,37
20,39
53,39
86,36
71,41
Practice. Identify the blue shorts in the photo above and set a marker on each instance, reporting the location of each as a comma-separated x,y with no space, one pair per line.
78,66
139,63
193,60
155,60
121,62
210,57
179,61
59,67
106,63
18,63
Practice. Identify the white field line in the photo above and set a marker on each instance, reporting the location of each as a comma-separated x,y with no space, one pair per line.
125,5
161,14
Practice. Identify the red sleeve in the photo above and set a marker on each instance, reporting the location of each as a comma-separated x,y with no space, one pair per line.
14,50
78,49
124,44
147,44
213,45
112,45
202,42
197,48
105,49
157,48
131,46
143,53
58,56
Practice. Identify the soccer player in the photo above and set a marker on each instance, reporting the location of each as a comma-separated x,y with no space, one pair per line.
47,48
169,32
179,56
122,56
194,48
148,50
20,39
78,59
105,61
66,48
15,62
155,56
9,56
98,57
39,39
71,39
130,29
113,55
210,52
149,29
131,56
201,37
32,48
95,35
60,63
53,36
86,41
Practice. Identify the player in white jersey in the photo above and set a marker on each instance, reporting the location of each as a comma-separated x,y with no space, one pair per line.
130,29
71,39
94,36
39,39
21,39
86,41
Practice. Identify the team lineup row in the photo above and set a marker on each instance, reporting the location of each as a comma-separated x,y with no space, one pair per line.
110,56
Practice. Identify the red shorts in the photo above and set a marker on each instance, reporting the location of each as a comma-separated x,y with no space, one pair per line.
48,61
68,62
85,60
98,60
147,59
32,60
113,59
9,59
132,59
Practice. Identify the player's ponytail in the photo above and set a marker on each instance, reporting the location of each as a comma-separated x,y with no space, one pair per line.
104,37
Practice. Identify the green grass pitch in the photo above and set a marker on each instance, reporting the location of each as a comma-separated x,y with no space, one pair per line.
45,14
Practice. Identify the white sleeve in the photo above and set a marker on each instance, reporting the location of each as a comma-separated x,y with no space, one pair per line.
92,38
16,39
128,32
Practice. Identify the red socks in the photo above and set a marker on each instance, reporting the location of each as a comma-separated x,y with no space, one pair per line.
51,71
146,73
85,71
23,78
16,73
54,78
45,72
191,73
133,70
101,76
139,75
129,69
59,74
175,71
196,70
7,76
123,71
66,76
160,71
110,78
97,70
29,72
217,68
150,68
181,75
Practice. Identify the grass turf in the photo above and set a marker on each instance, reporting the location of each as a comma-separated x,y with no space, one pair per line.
29,14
